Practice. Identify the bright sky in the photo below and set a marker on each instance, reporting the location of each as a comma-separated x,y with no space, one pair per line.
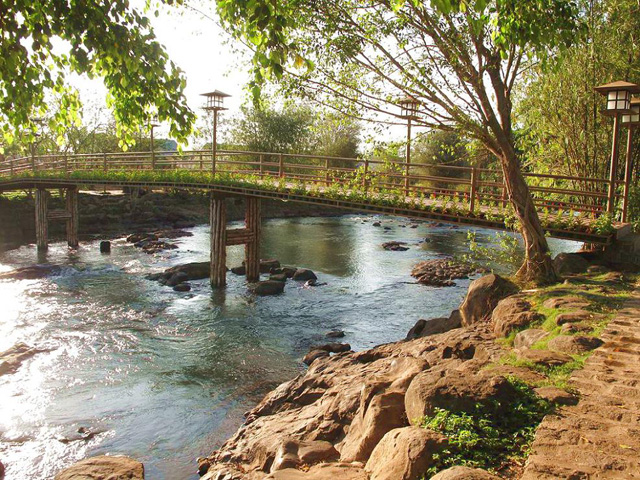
200,48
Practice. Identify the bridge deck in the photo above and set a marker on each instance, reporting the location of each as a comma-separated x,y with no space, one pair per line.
429,209
569,207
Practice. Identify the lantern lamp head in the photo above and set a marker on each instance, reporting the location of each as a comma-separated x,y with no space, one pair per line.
409,108
618,96
215,100
632,119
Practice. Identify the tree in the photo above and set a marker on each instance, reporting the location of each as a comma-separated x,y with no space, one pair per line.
461,59
558,108
269,129
42,42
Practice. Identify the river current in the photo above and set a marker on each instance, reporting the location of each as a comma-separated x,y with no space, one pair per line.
132,367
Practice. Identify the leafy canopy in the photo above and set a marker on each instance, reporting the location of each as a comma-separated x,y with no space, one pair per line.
44,42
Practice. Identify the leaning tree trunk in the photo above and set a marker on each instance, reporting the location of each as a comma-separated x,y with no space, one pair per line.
537,266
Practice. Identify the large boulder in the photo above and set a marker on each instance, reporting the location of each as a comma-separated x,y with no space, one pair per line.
483,296
404,454
293,453
268,287
574,344
104,468
464,473
456,390
423,328
266,266
383,413
512,314
570,263
313,355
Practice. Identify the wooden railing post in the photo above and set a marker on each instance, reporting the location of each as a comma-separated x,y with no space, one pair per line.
153,159
326,172
65,165
281,166
11,167
201,163
474,186
611,196
261,165
366,173
33,162
104,162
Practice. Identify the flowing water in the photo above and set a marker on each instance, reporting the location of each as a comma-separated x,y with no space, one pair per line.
165,377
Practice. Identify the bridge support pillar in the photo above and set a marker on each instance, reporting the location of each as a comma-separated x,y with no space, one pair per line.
42,222
218,213
72,219
252,247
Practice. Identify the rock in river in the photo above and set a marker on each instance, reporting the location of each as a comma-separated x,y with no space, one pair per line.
303,274
31,273
395,246
11,359
268,287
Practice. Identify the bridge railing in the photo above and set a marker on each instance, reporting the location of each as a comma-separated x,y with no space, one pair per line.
468,187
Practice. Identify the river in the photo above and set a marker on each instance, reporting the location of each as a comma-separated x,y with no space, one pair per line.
164,377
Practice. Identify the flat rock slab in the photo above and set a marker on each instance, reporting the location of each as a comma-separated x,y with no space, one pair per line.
597,438
464,473
104,468
556,395
574,344
323,471
528,337
569,302
543,357
578,316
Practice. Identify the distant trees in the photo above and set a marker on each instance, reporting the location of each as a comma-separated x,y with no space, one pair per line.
294,129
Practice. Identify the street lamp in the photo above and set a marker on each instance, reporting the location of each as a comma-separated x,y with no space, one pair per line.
629,120
153,123
409,111
214,104
618,96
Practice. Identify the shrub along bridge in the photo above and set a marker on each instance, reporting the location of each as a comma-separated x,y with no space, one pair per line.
574,208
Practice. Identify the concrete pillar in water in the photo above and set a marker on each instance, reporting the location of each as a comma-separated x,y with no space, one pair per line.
42,227
72,220
218,214
252,247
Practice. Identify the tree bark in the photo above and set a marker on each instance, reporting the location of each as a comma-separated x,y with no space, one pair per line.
537,267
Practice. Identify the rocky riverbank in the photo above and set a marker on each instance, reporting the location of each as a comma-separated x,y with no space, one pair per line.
115,214
459,398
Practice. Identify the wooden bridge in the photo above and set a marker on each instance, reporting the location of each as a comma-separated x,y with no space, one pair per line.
569,207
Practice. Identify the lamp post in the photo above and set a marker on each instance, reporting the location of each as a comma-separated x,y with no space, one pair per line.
214,104
618,96
153,124
629,120
409,111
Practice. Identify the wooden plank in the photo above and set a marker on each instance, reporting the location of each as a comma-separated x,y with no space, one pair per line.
252,247
42,224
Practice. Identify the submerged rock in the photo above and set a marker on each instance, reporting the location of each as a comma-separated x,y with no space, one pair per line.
182,287
32,272
241,270
268,287
104,468
333,347
11,359
395,246
335,334
193,271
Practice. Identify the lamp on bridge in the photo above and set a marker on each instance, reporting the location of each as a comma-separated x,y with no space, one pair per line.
409,111
630,120
618,96
153,123
215,103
